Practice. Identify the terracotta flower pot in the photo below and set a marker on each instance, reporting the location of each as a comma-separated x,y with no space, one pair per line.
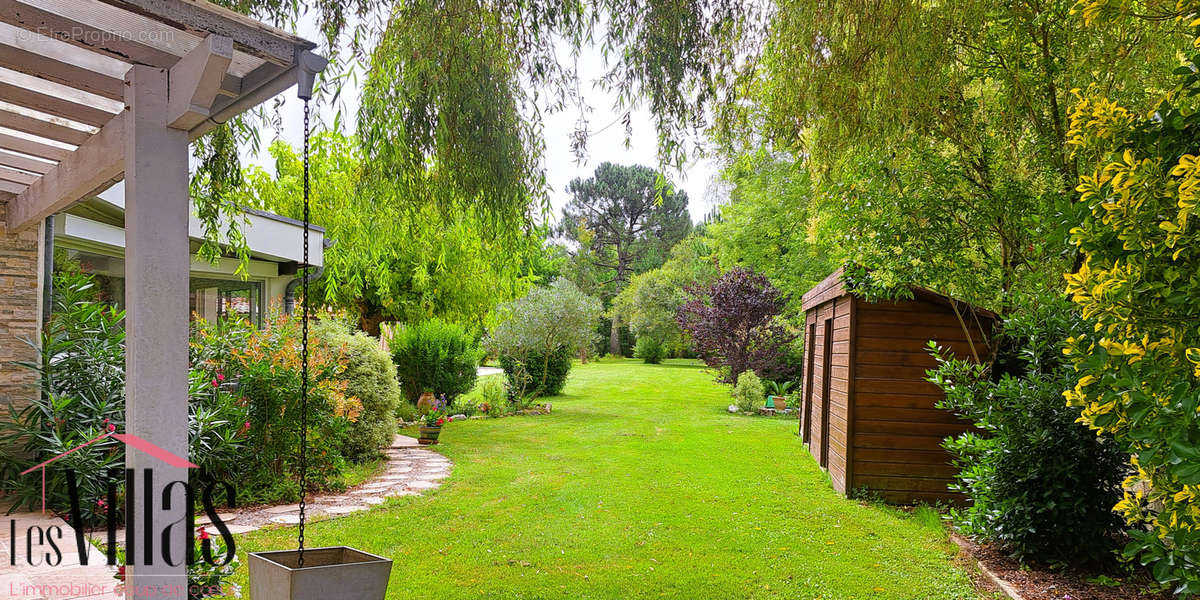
429,435
426,402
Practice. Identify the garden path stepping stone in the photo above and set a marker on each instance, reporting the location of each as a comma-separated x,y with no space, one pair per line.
286,519
345,510
278,510
374,500
422,485
225,517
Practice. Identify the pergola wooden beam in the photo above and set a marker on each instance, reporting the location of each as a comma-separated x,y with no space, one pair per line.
195,80
50,129
250,36
31,147
60,62
17,161
91,167
56,99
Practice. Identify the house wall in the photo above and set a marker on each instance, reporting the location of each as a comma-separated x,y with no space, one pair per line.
828,438
20,309
898,430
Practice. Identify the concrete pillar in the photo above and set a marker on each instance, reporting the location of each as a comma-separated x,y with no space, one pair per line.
156,304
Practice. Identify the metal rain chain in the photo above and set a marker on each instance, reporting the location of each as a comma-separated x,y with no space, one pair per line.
315,573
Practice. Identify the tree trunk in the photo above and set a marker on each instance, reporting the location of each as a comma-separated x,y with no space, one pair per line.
614,337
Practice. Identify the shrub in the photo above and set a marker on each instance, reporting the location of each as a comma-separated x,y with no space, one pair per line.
735,325
435,355
1138,361
748,393
1042,485
538,334
371,378
81,374
538,374
269,377
650,350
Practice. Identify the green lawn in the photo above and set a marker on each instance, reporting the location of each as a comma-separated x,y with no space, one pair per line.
640,485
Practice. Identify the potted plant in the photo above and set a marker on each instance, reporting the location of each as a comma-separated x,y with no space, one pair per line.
431,423
777,394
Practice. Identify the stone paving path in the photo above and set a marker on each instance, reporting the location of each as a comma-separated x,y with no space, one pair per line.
411,469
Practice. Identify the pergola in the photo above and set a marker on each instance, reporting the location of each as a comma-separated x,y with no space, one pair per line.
93,91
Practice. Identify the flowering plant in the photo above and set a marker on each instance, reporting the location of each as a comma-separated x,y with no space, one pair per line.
437,415
204,580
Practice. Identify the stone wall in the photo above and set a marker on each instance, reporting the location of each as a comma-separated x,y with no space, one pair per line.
20,308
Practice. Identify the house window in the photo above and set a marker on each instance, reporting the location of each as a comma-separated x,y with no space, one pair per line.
216,299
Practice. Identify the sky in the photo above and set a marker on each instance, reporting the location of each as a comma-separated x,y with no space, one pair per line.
606,141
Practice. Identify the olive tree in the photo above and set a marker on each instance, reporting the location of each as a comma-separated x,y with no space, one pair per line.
539,333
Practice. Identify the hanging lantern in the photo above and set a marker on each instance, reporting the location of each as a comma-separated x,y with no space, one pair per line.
315,573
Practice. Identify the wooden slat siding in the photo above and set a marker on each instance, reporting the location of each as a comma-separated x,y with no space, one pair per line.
898,429
831,285
868,468
852,311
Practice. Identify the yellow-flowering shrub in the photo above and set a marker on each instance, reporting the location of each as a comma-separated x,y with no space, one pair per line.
1139,288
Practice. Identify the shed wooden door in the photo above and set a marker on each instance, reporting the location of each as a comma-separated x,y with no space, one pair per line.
810,359
826,376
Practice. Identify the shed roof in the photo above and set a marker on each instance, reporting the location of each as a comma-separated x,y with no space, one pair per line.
832,287
62,83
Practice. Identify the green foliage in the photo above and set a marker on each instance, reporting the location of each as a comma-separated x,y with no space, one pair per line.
371,378
392,260
268,375
81,375
777,388
650,350
1137,288
536,373
652,299
772,224
1041,484
623,220
538,334
436,356
650,449
748,392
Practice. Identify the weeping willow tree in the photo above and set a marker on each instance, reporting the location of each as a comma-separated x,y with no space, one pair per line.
455,91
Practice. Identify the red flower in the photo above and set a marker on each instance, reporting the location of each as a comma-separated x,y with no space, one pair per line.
220,377
203,533
121,572
441,421
102,503
215,383
111,428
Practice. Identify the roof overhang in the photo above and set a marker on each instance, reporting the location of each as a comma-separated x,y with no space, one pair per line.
63,67
269,237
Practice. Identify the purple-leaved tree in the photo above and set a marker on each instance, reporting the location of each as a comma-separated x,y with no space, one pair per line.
734,324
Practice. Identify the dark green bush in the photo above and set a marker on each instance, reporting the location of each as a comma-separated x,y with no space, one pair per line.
371,378
1042,485
436,356
536,374
650,350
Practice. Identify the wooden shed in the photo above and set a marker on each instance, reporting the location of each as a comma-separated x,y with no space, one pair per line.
868,415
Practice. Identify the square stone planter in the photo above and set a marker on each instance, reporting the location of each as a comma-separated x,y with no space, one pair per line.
334,572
